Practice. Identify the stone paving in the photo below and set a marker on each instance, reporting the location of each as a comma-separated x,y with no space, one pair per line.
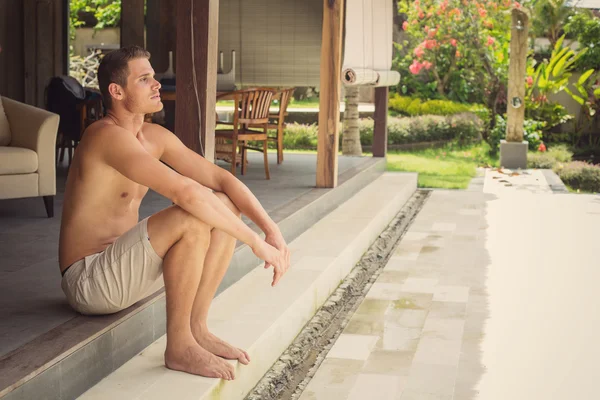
486,290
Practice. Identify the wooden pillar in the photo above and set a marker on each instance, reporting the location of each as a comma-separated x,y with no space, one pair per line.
161,37
132,23
516,77
380,132
43,46
201,48
329,103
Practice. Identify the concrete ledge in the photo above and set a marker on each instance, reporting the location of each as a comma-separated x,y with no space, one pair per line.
268,319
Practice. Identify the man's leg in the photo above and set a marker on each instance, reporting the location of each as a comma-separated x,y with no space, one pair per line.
182,241
216,263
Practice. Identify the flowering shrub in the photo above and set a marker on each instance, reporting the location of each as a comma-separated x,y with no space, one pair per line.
456,49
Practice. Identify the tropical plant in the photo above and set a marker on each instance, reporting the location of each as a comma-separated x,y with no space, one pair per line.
585,28
549,18
551,77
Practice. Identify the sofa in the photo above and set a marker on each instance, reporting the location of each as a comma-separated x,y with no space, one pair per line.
27,152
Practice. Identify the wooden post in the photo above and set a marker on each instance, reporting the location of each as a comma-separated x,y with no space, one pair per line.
132,23
197,134
380,132
43,42
160,38
329,103
516,77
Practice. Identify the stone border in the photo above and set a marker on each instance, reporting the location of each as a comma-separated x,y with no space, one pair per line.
290,375
554,181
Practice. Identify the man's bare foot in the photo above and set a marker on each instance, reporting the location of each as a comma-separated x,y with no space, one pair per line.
219,347
193,359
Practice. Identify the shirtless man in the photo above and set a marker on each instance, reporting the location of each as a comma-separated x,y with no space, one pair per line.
109,260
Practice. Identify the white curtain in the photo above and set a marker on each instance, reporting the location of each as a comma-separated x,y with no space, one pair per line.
368,44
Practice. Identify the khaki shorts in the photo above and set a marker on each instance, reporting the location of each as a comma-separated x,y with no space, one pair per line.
124,273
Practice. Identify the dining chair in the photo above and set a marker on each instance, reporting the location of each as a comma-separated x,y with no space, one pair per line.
250,123
277,119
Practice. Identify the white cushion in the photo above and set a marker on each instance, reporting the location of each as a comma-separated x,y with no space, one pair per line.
16,160
5,135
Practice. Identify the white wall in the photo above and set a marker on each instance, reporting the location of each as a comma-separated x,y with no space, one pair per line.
277,42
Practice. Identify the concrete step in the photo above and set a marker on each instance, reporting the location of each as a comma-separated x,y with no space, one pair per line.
69,359
264,320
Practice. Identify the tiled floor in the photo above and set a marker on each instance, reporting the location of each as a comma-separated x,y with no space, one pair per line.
30,294
486,290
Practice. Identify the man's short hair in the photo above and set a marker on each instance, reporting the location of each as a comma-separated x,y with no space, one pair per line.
114,69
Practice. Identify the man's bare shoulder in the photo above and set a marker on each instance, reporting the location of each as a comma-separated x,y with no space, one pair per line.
157,132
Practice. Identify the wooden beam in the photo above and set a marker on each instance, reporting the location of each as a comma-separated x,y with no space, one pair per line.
517,70
197,135
329,103
132,23
380,132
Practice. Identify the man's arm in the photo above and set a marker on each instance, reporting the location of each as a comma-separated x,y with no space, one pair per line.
196,167
124,153
191,164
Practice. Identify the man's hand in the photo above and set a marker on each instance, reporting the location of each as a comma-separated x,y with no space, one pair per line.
276,240
274,251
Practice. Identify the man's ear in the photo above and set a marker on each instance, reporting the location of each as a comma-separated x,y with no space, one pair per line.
116,91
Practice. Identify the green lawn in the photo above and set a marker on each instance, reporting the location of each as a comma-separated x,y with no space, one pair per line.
446,168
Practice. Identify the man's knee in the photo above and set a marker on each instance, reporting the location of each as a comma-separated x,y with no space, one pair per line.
190,225
227,201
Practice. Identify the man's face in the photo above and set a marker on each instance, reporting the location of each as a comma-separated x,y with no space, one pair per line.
142,91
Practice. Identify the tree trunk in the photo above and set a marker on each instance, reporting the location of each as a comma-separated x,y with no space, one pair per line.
351,139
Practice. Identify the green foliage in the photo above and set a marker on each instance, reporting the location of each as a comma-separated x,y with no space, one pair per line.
549,18
300,136
586,30
532,132
580,175
461,128
413,106
106,12
551,77
550,158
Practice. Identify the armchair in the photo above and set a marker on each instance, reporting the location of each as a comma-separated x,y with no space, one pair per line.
27,166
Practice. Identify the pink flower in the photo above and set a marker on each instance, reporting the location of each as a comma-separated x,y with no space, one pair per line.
517,5
405,25
453,42
421,15
419,51
430,44
457,54
415,67
529,81
490,41
432,33
482,12
427,65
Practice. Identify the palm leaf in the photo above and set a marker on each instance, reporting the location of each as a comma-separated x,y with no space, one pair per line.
585,76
